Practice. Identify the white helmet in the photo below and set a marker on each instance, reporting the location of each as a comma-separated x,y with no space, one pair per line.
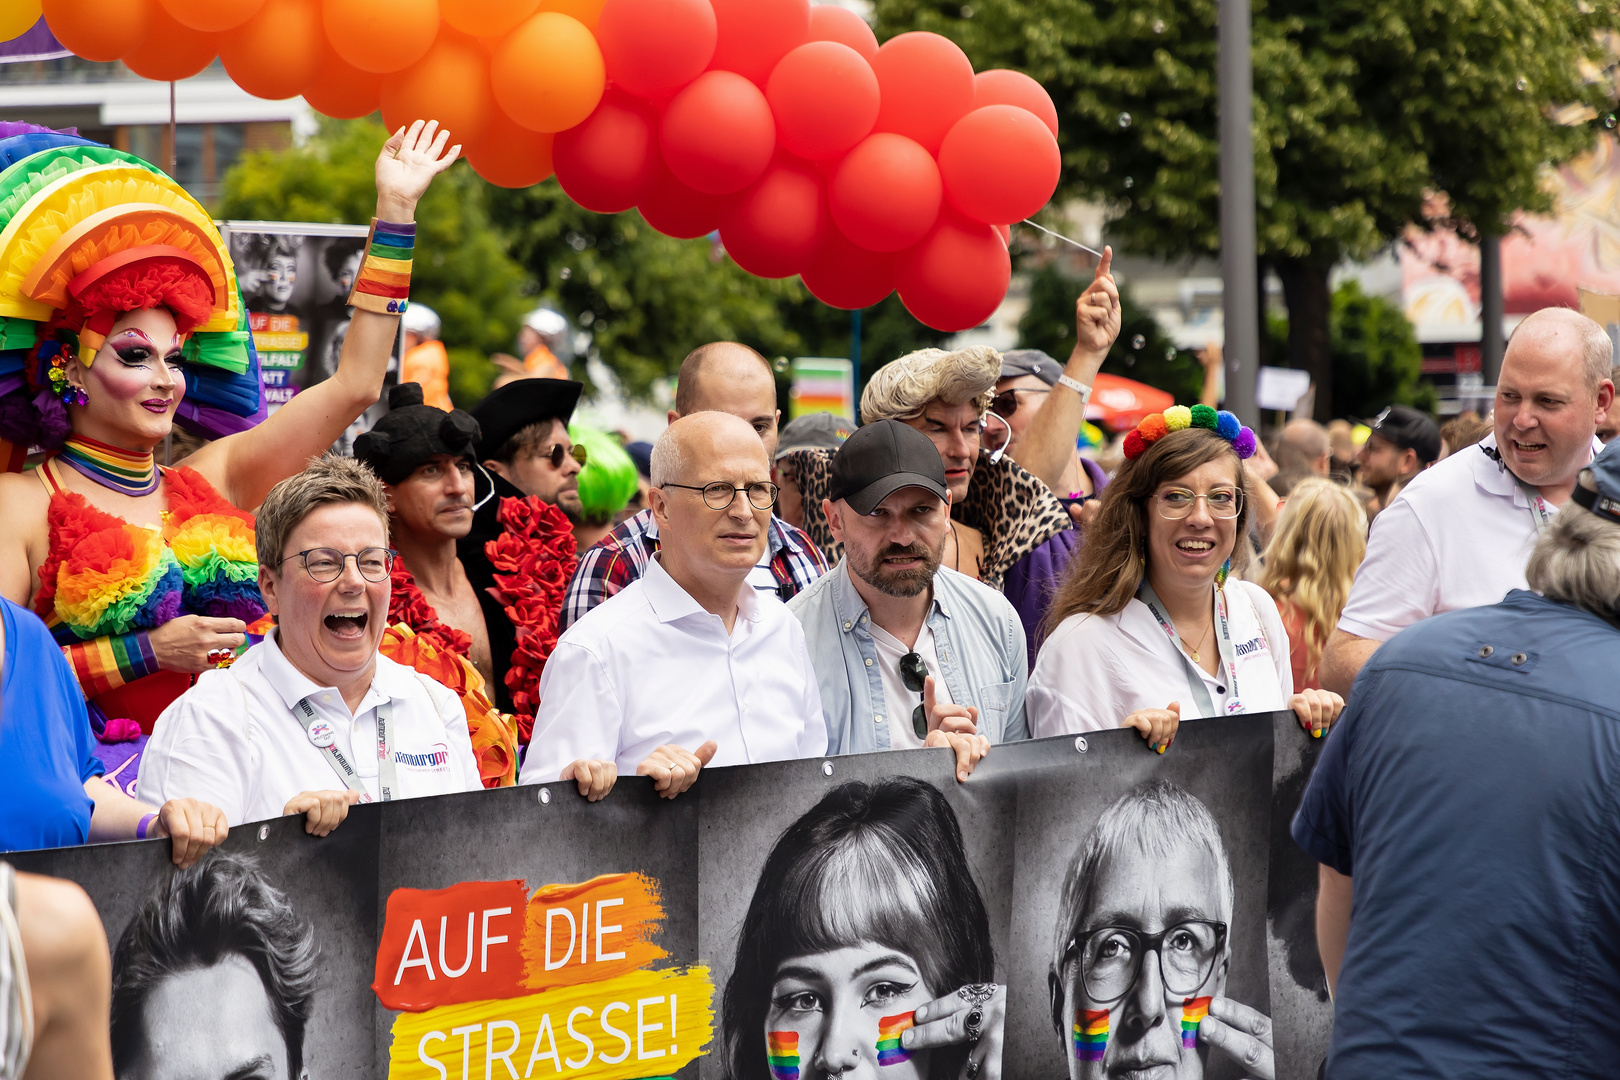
545,322
420,319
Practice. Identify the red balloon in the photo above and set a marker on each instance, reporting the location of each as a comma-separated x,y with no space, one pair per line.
509,155
277,52
718,134
1000,86
450,84
676,210
885,194
1005,232
927,85
99,29
825,99
654,47
342,91
775,228
829,22
999,164
171,51
850,277
608,162
957,277
755,34
381,36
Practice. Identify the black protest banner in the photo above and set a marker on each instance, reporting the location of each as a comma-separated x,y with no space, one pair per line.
1079,907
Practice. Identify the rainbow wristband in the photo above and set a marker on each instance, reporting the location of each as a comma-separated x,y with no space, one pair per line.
106,663
383,284
146,822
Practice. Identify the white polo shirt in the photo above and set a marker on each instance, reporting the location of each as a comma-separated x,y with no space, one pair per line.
238,740
1095,670
650,666
1457,536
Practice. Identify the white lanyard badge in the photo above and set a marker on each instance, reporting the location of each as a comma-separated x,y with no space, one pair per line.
1223,642
325,740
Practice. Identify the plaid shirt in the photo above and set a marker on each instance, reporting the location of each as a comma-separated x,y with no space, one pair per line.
621,557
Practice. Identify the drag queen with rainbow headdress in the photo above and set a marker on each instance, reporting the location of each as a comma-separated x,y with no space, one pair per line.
119,316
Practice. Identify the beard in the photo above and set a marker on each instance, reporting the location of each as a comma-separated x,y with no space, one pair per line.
899,583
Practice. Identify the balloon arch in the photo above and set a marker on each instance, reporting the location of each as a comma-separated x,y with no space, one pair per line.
813,150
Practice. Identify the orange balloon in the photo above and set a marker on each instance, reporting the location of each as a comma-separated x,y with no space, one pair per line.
99,29
548,74
509,155
586,11
450,84
277,53
481,18
340,90
381,36
171,51
212,16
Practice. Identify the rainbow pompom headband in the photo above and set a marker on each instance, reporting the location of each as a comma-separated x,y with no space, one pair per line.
1178,418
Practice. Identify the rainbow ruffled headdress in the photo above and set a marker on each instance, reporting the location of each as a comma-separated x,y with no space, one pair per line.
86,233
1179,418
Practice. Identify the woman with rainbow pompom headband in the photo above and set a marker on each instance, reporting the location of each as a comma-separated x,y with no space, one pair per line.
120,315
1146,629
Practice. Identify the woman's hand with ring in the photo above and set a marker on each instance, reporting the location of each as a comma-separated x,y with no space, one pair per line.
974,1016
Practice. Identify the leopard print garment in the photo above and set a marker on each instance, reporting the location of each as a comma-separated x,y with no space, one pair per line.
1015,511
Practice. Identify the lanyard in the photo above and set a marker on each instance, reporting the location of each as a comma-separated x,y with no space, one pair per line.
325,739
1223,642
1538,505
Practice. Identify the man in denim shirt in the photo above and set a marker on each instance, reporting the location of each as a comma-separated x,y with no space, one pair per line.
907,652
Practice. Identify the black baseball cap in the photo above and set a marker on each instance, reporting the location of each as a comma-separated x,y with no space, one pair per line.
509,409
1409,429
880,459
1598,488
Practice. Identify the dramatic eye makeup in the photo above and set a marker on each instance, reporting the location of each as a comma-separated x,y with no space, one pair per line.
134,348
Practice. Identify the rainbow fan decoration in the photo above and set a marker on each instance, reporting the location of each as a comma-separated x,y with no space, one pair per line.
1193,1011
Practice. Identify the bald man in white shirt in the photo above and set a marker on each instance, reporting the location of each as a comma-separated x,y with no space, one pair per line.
688,665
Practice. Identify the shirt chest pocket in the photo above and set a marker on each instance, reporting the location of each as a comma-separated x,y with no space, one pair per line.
995,702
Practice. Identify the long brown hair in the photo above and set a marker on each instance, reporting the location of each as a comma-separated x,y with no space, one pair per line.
1104,576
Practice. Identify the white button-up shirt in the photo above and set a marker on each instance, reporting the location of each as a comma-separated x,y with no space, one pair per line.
1458,536
650,666
239,741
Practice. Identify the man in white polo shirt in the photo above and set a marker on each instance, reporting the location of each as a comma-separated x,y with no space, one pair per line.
688,664
1460,533
312,720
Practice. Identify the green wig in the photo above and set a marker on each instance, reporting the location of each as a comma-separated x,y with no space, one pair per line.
608,481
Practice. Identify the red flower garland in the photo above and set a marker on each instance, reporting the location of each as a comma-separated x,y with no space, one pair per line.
534,559
407,605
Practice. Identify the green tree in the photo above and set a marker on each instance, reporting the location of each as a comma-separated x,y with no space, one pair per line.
1376,358
1361,107
1142,351
462,269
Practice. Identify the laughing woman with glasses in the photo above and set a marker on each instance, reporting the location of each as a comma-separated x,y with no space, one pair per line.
1147,628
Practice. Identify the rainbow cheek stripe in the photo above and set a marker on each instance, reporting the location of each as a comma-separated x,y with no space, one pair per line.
1091,1035
889,1050
782,1052
1193,1010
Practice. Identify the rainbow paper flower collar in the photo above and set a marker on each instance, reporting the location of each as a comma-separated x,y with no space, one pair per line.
1179,418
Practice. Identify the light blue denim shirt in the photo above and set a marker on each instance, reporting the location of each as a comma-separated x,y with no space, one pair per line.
977,635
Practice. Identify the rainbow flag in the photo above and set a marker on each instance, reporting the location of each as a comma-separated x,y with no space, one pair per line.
1192,1011
782,1053
889,1050
1091,1035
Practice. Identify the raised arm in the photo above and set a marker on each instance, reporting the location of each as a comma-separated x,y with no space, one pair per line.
245,466
1048,445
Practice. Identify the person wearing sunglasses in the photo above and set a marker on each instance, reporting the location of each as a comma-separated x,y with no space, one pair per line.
313,719
689,664
908,653
1029,377
1143,947
1147,629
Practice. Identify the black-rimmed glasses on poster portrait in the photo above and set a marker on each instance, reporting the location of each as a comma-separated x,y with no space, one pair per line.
720,495
913,670
326,564
1111,958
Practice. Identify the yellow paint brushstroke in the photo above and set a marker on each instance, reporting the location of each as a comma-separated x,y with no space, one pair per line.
563,1032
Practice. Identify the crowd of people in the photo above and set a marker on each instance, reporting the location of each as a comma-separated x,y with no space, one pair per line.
293,632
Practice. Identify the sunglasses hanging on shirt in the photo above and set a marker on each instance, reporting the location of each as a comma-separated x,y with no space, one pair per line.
913,670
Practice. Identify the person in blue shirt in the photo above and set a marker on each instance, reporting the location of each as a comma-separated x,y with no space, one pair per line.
1464,812
907,653
51,791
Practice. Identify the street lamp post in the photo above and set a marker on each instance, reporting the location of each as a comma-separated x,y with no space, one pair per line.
1240,298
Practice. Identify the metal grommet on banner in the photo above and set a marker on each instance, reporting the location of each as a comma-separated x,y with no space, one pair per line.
826,768
264,832
1080,744
1518,658
545,796
1485,651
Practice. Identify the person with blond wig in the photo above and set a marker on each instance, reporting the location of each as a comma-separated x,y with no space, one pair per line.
1310,566
1147,625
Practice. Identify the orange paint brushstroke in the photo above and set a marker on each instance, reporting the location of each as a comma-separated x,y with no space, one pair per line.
594,930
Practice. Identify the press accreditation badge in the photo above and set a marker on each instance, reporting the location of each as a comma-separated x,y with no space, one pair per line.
321,734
